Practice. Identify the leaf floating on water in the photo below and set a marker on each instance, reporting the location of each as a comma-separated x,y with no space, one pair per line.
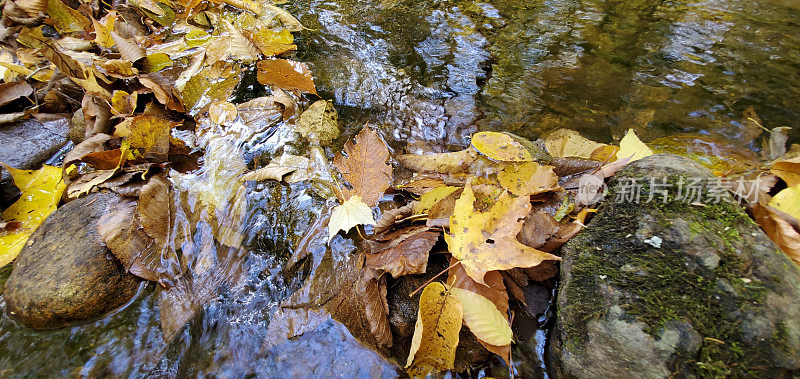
528,178
365,168
500,147
231,44
286,74
319,123
483,318
279,168
349,214
433,346
222,112
487,241
41,191
631,147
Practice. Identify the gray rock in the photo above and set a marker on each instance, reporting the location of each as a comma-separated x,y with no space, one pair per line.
26,145
65,274
717,298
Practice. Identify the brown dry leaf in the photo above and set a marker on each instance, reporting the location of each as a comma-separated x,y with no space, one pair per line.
537,229
570,166
487,241
32,7
405,254
542,272
286,74
445,163
91,145
422,183
154,208
128,49
118,68
567,230
494,290
96,115
103,160
68,66
123,104
14,90
781,229
433,346
365,168
164,96
529,178
389,218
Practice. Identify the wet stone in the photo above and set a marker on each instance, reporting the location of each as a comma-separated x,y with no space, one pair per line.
65,274
715,298
25,145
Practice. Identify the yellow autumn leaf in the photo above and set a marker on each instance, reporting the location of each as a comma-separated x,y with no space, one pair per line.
319,123
487,241
788,201
433,346
529,178
150,135
351,213
500,147
787,169
430,198
570,144
41,191
632,147
483,318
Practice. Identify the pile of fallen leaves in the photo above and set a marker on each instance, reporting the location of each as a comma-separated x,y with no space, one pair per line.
147,86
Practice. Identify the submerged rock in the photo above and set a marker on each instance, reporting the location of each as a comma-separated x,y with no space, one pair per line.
711,296
26,145
65,274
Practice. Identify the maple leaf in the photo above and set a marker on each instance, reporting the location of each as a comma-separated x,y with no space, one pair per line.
365,167
486,241
351,213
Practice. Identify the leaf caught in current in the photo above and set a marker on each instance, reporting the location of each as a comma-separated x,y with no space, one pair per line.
41,191
487,241
365,168
351,213
500,147
279,168
319,123
286,74
433,346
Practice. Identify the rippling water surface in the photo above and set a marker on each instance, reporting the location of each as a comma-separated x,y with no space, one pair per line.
430,73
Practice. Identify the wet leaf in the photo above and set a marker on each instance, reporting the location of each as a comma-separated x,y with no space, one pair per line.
32,7
150,135
155,62
775,146
376,309
365,167
230,44
787,201
433,346
632,147
285,18
123,104
102,30
487,241
568,143
66,64
406,254
65,19
103,160
537,229
165,95
96,115
430,198
781,228
528,178
92,144
349,214
483,318
319,123
720,155
286,74
14,90
40,193
222,112
445,163
118,68
500,147
279,168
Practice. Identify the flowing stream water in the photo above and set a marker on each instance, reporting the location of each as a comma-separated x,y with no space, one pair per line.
427,75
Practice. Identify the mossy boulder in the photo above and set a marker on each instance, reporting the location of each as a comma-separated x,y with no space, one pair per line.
65,274
677,288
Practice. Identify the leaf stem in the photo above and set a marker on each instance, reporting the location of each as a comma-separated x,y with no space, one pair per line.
432,279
